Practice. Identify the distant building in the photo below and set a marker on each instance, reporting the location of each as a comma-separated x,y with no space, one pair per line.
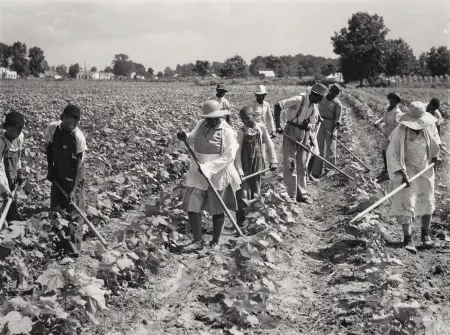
337,77
92,75
132,75
7,74
106,75
57,77
266,74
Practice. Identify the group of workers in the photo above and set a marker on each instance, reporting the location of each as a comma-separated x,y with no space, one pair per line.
224,157
412,142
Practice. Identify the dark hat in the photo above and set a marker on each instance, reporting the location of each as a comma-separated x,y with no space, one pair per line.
14,119
72,111
222,87
319,89
395,95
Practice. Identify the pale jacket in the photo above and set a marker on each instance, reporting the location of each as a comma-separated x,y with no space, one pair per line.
263,114
396,151
265,139
219,168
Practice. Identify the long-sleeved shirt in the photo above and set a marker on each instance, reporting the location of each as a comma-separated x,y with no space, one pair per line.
16,147
330,109
263,114
224,104
265,139
215,149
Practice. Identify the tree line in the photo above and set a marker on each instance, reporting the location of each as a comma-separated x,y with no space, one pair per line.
363,49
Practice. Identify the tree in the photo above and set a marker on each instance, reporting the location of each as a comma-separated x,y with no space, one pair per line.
422,68
61,70
93,69
361,47
36,59
216,68
160,74
235,67
168,72
19,62
45,66
5,54
438,61
74,70
150,71
202,67
122,65
139,68
400,59
108,69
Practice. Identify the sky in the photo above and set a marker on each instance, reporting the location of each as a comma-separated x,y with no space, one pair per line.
171,32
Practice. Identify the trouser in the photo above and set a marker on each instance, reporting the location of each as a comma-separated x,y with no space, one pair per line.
383,153
294,168
195,221
325,139
406,222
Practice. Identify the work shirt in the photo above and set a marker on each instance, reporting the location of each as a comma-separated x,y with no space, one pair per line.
330,109
10,163
438,116
263,114
215,149
265,139
224,104
80,140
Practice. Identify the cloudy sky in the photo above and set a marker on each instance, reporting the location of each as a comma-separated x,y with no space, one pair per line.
165,33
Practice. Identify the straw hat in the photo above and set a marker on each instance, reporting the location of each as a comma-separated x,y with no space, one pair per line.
222,87
319,89
211,109
260,89
417,117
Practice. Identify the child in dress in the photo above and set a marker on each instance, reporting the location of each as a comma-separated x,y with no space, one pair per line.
249,157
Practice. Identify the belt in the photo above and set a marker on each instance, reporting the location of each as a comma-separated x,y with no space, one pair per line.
299,126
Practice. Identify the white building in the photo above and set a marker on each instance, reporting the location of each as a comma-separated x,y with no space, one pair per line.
7,74
337,77
106,75
266,74
93,75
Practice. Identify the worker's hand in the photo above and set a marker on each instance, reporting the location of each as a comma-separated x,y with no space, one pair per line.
376,125
182,135
311,143
20,180
241,176
436,161
279,130
273,134
7,195
336,125
307,125
405,179
273,166
72,196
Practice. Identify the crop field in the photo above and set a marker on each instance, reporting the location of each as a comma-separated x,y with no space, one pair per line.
299,269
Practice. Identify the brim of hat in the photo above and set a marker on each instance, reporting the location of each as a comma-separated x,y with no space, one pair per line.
222,89
260,93
216,114
417,123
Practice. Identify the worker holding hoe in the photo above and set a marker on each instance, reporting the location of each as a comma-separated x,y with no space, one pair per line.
11,147
66,146
330,109
221,90
390,122
303,117
214,145
433,109
414,144
263,110
250,157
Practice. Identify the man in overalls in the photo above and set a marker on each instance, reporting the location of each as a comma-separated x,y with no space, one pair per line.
11,147
302,116
65,156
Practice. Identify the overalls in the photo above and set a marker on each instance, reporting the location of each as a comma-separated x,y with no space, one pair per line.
65,163
11,160
252,161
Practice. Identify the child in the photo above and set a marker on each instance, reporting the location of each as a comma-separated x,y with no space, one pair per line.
11,142
433,109
249,156
65,155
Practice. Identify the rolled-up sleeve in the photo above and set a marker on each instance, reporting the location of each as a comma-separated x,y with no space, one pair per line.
269,144
229,154
269,118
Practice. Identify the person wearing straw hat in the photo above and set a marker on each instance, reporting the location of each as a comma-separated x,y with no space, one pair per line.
215,145
330,109
221,90
390,121
433,109
11,147
303,117
414,144
263,110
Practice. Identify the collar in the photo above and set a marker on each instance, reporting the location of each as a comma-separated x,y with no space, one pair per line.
61,128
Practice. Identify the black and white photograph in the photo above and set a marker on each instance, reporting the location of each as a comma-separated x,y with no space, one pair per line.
225,167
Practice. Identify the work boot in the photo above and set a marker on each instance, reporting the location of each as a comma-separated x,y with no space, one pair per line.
426,238
408,244
194,246
214,245
305,198
313,179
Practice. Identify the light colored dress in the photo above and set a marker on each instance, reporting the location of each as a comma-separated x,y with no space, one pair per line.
412,152
390,123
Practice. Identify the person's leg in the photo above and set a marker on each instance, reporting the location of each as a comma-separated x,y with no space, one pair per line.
406,222
317,166
331,147
289,167
218,222
383,152
195,221
302,156
240,213
426,238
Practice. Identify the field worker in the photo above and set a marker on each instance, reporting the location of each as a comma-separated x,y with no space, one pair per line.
414,145
215,145
263,110
302,116
11,146
389,120
66,146
330,109
221,90
249,156
433,109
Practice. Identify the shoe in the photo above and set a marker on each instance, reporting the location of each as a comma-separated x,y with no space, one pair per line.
426,238
313,179
214,245
304,198
383,178
194,246
409,245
